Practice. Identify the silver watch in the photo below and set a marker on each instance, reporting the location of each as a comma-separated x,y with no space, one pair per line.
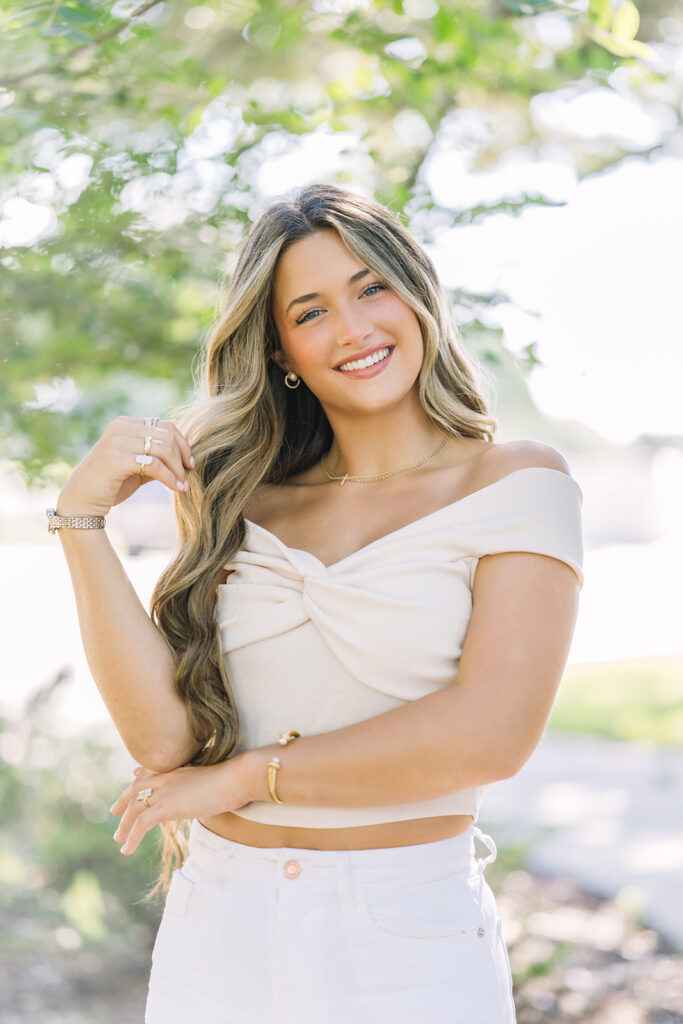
56,522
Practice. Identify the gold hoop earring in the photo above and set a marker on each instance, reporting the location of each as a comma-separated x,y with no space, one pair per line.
292,376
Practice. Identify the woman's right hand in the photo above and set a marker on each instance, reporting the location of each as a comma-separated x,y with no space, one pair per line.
109,474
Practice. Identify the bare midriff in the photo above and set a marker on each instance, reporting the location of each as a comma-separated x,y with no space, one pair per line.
365,837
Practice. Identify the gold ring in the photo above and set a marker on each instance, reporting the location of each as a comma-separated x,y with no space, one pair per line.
143,796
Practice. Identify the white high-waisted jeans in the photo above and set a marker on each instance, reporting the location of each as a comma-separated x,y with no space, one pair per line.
407,934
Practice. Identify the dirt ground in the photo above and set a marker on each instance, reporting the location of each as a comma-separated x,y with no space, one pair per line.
575,958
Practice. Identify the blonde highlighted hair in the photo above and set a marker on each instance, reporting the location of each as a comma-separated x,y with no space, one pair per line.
246,428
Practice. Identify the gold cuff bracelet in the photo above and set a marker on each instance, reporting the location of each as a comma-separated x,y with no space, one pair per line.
275,764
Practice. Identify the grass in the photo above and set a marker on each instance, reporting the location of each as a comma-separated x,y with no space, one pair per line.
639,699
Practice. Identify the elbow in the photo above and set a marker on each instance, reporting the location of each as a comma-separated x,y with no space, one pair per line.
159,761
511,762
493,765
159,765
508,770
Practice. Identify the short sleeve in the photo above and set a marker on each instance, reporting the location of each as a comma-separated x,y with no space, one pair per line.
535,509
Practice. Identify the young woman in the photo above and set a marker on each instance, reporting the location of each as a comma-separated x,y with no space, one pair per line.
365,624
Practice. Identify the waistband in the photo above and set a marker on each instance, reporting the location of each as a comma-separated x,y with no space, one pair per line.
211,851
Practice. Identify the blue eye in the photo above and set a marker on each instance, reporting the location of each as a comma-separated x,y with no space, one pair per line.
314,309
381,287
304,317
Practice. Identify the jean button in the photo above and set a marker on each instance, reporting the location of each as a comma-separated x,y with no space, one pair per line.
292,868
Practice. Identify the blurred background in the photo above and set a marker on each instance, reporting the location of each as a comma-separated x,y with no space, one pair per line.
535,149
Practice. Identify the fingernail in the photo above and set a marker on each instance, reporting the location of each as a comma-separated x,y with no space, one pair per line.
116,834
181,485
111,809
192,460
124,848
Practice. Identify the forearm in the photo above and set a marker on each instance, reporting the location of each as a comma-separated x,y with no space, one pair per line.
424,749
132,664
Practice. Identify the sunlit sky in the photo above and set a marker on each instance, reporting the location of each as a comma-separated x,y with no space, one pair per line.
594,282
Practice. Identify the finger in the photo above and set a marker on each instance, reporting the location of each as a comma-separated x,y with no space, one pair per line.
130,792
122,801
183,445
155,469
143,823
132,812
175,436
166,464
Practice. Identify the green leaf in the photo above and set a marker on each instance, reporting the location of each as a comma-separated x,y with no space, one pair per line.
626,21
57,28
81,15
76,33
600,12
620,47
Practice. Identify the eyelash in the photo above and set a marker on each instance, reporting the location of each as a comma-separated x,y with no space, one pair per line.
302,319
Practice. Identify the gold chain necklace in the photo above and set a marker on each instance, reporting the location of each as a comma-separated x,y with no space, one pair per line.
382,476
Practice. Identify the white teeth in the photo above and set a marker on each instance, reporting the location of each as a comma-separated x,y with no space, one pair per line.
361,363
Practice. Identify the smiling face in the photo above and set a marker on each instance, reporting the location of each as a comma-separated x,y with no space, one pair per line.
329,309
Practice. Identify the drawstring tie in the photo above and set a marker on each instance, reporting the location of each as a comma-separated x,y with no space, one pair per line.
488,842
482,862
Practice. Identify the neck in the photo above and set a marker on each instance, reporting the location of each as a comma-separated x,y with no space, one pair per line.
378,444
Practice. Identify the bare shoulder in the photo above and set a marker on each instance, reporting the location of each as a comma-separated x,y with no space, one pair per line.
509,456
263,501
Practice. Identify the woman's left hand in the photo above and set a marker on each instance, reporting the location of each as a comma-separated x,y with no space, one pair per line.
187,792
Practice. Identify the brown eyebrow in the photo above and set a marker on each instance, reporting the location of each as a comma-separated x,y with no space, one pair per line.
314,295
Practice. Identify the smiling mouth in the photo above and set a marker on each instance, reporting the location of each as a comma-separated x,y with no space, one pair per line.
380,356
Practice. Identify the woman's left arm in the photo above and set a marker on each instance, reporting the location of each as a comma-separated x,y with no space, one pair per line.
482,728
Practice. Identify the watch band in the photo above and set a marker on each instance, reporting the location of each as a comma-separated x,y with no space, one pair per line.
56,522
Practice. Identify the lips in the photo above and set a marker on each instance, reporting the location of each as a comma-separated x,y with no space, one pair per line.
363,355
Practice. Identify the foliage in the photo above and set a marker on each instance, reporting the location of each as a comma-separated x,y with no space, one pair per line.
59,862
139,133
640,699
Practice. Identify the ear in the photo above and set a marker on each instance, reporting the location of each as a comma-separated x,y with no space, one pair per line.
279,358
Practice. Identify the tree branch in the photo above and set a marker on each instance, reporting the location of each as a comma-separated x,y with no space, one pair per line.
41,69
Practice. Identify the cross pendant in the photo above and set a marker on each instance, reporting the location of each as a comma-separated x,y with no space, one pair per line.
344,480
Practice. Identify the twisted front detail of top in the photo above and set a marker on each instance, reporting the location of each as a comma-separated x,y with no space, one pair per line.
318,647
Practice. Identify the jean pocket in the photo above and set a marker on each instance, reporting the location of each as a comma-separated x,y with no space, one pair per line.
444,907
178,895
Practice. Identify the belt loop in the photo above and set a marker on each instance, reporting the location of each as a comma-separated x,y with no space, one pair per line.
489,844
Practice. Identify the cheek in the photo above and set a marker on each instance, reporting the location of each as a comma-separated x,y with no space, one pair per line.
295,349
402,322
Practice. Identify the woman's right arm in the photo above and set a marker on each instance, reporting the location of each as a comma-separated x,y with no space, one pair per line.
131,662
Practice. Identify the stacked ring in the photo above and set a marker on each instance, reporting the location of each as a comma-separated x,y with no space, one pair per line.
145,459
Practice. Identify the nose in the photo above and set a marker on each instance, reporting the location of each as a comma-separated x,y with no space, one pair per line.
352,327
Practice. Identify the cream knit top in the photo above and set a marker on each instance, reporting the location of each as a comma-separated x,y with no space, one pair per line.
316,648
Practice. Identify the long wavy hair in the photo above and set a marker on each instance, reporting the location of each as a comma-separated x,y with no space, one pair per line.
245,427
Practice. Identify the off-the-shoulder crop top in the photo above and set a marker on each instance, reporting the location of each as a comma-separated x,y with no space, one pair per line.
316,648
